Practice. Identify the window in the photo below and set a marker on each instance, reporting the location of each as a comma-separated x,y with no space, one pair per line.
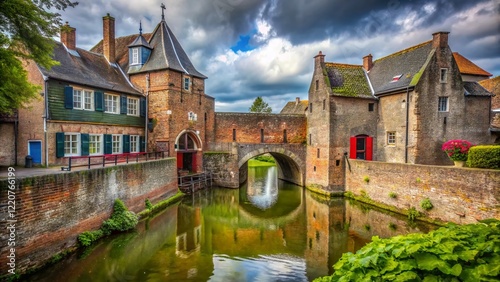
111,104
186,83
77,99
133,106
391,138
310,107
285,140
443,104
88,100
135,56
443,77
371,106
361,147
234,134
317,84
324,104
95,144
116,142
71,144
134,144
262,135
317,153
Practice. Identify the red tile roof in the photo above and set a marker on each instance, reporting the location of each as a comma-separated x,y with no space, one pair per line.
467,67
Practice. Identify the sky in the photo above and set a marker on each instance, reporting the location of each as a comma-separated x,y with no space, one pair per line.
251,48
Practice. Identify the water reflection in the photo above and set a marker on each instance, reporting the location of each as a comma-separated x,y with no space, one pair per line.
220,235
262,186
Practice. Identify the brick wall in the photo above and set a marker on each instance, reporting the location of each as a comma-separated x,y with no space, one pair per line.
8,144
53,209
461,195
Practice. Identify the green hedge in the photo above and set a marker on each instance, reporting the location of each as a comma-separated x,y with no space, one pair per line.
484,156
452,253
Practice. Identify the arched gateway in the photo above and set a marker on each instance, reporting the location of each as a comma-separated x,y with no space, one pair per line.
188,147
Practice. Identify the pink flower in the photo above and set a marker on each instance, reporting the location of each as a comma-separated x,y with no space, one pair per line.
457,150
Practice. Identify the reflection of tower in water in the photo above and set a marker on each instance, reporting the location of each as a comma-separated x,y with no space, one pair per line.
262,188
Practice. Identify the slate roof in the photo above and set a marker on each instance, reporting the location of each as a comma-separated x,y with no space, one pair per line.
408,63
472,88
89,69
348,80
467,67
295,107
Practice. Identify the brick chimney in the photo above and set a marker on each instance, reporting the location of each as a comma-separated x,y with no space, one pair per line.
367,62
297,100
68,36
108,31
319,59
440,39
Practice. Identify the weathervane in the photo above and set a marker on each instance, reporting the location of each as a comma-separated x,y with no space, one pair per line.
162,9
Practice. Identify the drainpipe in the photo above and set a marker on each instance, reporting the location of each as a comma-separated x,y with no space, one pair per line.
45,117
407,122
146,117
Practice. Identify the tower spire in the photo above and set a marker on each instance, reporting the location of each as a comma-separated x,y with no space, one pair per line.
162,10
140,28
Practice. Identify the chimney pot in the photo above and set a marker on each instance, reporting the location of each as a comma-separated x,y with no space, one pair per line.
297,100
440,39
319,59
68,36
108,30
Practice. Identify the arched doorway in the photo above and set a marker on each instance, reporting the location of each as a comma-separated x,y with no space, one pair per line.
188,147
361,147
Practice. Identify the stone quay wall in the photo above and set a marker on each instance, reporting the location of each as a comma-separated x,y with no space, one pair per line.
460,195
52,210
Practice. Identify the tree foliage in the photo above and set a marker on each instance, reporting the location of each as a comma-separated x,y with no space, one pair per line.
259,106
452,253
26,29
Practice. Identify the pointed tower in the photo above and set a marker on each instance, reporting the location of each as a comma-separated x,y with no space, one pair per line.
181,116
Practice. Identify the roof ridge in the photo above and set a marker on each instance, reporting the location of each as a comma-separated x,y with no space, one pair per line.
342,64
405,50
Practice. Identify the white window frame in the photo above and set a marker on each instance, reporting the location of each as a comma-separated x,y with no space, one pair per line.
115,103
391,138
132,108
100,144
187,83
135,56
116,138
135,146
441,104
77,99
74,144
443,75
88,94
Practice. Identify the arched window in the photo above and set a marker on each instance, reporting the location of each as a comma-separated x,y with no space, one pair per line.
186,142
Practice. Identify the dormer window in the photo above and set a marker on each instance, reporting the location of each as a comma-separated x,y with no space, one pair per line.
396,78
443,75
135,56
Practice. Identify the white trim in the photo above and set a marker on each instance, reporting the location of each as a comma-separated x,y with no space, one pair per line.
78,144
117,103
447,104
137,108
445,80
120,143
137,145
101,149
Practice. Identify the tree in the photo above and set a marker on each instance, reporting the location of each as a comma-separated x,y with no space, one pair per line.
259,106
26,31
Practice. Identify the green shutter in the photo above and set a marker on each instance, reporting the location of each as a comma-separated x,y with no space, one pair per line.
108,144
68,97
84,139
143,107
142,144
126,143
60,144
123,104
98,101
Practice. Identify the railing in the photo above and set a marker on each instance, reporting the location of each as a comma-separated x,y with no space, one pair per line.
190,182
114,159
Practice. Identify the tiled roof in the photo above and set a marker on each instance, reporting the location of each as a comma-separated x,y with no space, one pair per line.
294,107
475,89
467,67
87,68
408,63
493,85
347,80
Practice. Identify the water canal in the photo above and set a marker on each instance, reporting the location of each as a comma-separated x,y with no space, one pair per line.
267,230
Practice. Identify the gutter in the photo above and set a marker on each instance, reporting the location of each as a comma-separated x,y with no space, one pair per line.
407,122
45,117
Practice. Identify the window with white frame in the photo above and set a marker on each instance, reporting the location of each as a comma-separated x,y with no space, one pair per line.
116,142
71,144
112,103
135,56
132,106
391,138
186,83
95,144
443,75
134,144
77,99
443,104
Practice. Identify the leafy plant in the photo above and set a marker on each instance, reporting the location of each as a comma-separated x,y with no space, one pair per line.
363,194
452,253
457,150
393,226
426,204
87,238
419,180
484,156
366,179
413,213
393,195
367,227
148,204
121,220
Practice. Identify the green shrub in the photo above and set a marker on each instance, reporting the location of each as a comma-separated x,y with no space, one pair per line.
426,204
88,237
148,204
367,227
265,158
366,179
452,253
393,195
393,226
484,156
121,220
413,214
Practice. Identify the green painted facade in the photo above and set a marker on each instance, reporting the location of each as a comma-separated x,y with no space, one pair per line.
58,111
